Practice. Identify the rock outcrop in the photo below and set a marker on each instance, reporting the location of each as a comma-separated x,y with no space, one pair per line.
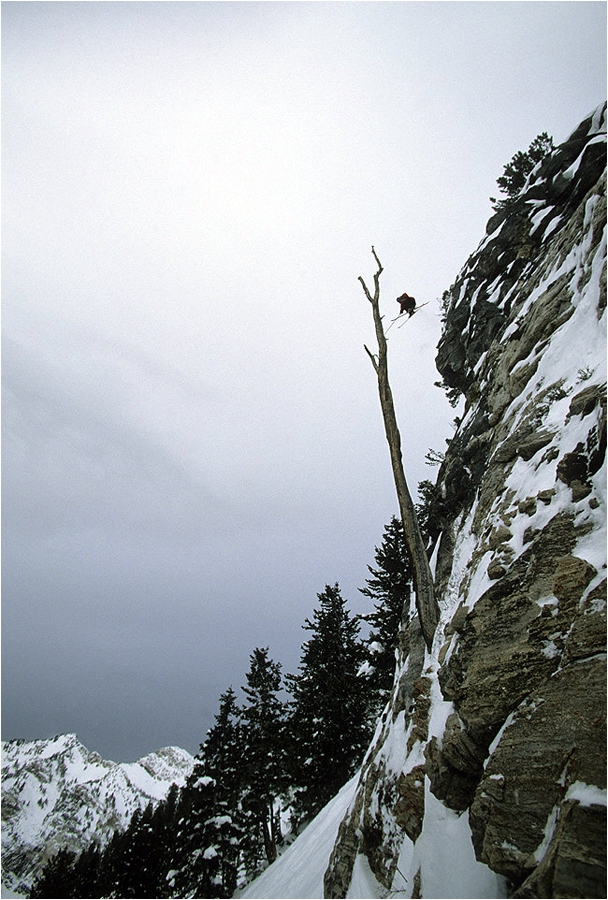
57,794
501,727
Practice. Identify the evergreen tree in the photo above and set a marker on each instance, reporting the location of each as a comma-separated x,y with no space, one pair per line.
154,849
121,872
390,587
221,753
517,170
57,877
265,776
427,510
210,828
85,874
331,698
164,826
134,863
195,868
112,865
222,760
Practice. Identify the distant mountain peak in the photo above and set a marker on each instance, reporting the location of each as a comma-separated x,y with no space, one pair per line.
58,794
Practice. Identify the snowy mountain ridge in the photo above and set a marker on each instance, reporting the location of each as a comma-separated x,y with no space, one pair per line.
487,773
57,794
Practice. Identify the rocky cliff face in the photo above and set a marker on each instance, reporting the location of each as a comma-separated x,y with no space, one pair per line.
57,794
494,741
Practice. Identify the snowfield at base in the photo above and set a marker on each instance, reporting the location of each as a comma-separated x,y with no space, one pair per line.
452,871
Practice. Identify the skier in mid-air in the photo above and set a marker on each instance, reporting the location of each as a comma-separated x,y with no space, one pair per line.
407,304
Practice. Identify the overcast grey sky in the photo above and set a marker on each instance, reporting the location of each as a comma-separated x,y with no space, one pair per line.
193,444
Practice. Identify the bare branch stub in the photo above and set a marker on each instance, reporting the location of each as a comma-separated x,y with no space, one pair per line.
367,293
371,356
380,269
377,274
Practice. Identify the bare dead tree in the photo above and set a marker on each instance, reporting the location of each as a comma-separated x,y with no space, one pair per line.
426,604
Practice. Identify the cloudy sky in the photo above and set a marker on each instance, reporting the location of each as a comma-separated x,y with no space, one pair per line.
193,444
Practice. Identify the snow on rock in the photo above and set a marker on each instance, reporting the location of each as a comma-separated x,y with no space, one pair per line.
56,794
447,834
586,794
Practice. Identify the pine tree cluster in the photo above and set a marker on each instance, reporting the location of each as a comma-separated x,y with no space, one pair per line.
267,766
517,170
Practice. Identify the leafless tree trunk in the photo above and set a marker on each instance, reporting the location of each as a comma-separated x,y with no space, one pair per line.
428,610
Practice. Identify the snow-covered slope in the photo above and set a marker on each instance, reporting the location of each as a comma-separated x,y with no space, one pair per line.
57,794
299,871
487,774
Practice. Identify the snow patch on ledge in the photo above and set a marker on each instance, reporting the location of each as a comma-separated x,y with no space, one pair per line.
586,794
456,872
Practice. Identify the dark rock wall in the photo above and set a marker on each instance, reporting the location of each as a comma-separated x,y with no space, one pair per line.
504,720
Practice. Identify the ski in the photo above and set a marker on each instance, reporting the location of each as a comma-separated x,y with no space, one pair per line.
407,316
